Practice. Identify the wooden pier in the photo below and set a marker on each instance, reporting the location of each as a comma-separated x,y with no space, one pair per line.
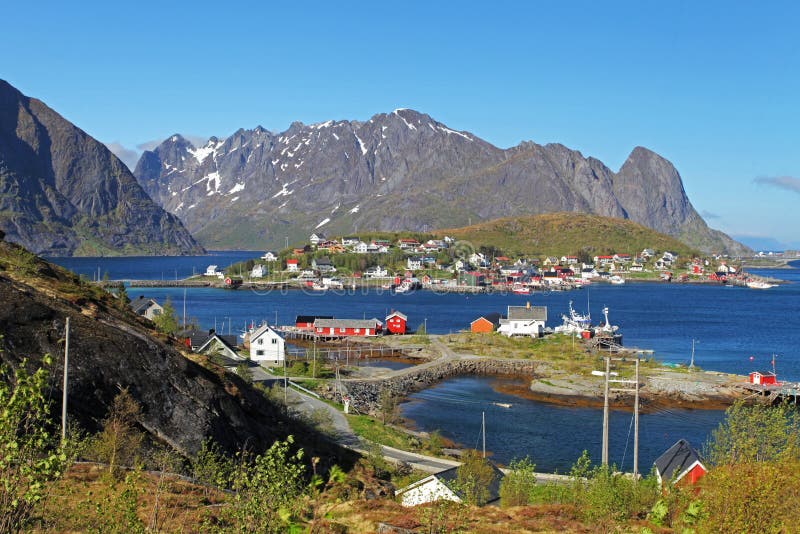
773,394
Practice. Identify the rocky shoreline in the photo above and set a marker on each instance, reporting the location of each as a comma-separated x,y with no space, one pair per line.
538,381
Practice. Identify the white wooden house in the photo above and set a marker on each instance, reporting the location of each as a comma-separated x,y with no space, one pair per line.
414,264
524,321
259,271
211,270
315,239
438,487
270,256
266,346
360,248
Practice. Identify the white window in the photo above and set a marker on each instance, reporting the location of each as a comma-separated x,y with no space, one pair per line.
357,330
341,330
261,341
274,341
259,353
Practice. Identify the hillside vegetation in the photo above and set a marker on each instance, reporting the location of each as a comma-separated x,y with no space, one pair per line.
559,234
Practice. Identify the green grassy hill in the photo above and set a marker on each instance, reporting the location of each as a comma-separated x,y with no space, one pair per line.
559,234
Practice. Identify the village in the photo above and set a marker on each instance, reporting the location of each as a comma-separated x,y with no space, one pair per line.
445,264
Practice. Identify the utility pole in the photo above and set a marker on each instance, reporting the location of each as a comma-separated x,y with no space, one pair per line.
636,425
635,390
184,308
314,365
605,413
285,382
483,432
691,362
64,393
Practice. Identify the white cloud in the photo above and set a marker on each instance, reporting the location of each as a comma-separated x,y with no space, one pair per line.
788,183
128,156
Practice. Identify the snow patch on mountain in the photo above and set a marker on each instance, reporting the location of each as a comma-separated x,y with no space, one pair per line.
325,221
283,192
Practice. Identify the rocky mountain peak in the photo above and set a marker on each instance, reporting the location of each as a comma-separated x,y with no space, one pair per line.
62,192
401,170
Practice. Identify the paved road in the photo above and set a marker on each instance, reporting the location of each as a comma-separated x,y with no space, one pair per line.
345,436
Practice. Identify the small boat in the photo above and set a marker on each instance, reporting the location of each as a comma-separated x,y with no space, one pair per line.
616,280
758,284
521,290
502,404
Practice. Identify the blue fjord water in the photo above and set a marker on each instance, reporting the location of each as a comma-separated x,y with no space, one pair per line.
730,325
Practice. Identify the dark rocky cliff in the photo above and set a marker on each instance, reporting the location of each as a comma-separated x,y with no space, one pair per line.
182,402
399,171
64,193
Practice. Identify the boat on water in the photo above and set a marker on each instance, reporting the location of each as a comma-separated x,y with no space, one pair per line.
574,323
502,404
519,289
758,284
607,333
616,280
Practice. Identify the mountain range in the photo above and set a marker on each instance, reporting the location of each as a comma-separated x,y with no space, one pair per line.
400,171
64,193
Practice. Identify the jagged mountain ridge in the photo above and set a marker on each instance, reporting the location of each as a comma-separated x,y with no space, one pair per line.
399,171
64,193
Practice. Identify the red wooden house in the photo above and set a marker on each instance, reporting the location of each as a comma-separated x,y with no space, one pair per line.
763,378
335,328
679,464
485,324
396,323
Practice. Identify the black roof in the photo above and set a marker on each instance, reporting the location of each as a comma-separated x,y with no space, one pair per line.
311,318
141,304
493,318
676,460
197,338
451,474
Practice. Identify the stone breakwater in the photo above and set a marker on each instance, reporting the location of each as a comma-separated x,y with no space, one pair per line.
365,394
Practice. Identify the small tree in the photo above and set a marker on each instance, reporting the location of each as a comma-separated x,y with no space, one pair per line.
755,434
166,321
473,478
267,489
388,406
518,486
30,455
119,442
122,297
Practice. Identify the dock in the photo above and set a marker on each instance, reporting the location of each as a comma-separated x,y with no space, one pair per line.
773,394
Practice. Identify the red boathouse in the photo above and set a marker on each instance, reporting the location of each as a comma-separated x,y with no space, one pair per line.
396,323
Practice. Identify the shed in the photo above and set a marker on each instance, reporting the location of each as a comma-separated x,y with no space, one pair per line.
396,323
763,378
437,487
485,323
679,462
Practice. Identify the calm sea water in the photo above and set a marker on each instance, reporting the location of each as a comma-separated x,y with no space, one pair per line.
729,325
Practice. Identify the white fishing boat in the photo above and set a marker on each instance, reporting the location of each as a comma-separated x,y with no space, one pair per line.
502,404
574,323
616,280
758,284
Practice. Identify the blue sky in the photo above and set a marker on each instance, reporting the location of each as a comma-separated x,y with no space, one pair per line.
712,86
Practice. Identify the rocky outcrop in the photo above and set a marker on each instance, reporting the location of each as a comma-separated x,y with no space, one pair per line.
364,394
399,171
64,193
183,403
